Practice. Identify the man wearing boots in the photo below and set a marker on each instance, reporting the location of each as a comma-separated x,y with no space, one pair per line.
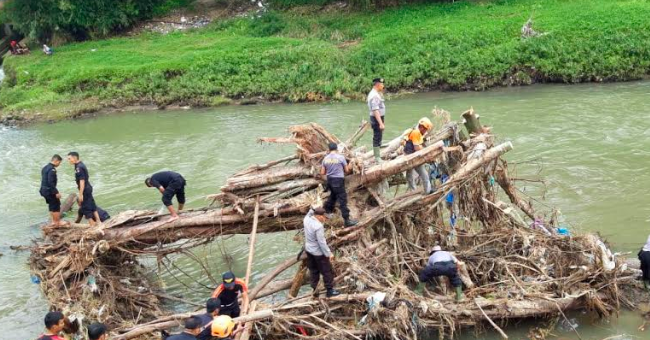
442,263
318,252
377,112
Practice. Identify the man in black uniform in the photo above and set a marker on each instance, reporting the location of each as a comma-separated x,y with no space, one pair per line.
48,189
169,183
86,200
192,329
103,215
212,307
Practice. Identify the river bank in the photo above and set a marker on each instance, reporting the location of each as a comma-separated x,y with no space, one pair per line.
313,54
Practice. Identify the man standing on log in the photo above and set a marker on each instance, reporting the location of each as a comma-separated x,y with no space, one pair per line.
377,112
85,198
335,166
443,263
169,183
228,293
49,191
414,141
318,252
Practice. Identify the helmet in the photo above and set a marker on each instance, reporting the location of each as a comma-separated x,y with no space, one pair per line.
426,123
222,326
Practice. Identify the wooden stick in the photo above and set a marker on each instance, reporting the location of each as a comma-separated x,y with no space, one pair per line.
251,249
503,335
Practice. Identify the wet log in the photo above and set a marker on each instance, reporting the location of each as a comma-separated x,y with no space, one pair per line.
266,177
471,122
176,321
510,190
384,170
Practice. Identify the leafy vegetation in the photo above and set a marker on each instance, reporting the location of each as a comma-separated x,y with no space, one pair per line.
81,19
307,54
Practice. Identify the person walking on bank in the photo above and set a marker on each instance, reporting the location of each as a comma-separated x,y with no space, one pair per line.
414,141
377,112
49,191
318,252
228,293
442,263
644,257
86,200
169,183
335,166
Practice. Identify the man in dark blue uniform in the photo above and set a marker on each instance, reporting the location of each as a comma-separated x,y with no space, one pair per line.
49,191
85,198
169,184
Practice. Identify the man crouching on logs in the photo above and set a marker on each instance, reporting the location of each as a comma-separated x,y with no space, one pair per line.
169,183
318,252
443,263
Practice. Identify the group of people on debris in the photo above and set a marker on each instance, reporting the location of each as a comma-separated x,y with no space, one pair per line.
217,322
223,306
18,48
169,184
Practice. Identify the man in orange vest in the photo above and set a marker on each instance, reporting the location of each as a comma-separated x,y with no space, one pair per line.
228,292
415,142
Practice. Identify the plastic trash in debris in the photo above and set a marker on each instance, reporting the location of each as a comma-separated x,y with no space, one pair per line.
92,283
375,299
568,325
563,231
35,279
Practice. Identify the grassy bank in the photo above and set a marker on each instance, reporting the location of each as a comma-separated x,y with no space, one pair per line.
313,54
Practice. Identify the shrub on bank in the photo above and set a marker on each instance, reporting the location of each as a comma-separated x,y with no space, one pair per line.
321,56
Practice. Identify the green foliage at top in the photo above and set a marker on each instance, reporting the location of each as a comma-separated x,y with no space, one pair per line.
300,56
80,18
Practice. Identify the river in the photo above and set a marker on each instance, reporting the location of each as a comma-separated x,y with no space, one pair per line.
588,142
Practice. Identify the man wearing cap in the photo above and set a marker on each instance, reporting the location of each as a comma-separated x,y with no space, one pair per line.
335,166
414,141
377,111
228,292
212,307
442,263
318,252
192,329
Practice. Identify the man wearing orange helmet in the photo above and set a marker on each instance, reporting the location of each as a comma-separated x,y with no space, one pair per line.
223,327
414,141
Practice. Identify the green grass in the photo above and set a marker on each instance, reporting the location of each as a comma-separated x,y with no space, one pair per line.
308,53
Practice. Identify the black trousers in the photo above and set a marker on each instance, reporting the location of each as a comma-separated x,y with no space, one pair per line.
53,203
447,269
318,265
377,133
176,187
644,257
88,206
336,187
233,310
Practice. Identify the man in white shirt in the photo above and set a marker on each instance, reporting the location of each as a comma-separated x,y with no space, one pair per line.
377,112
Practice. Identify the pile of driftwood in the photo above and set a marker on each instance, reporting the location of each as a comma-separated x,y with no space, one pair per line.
510,270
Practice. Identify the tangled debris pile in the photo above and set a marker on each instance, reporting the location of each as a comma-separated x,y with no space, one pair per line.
510,271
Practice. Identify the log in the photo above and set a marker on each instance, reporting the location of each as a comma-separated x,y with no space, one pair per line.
258,167
471,122
68,203
298,280
176,322
384,170
510,190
